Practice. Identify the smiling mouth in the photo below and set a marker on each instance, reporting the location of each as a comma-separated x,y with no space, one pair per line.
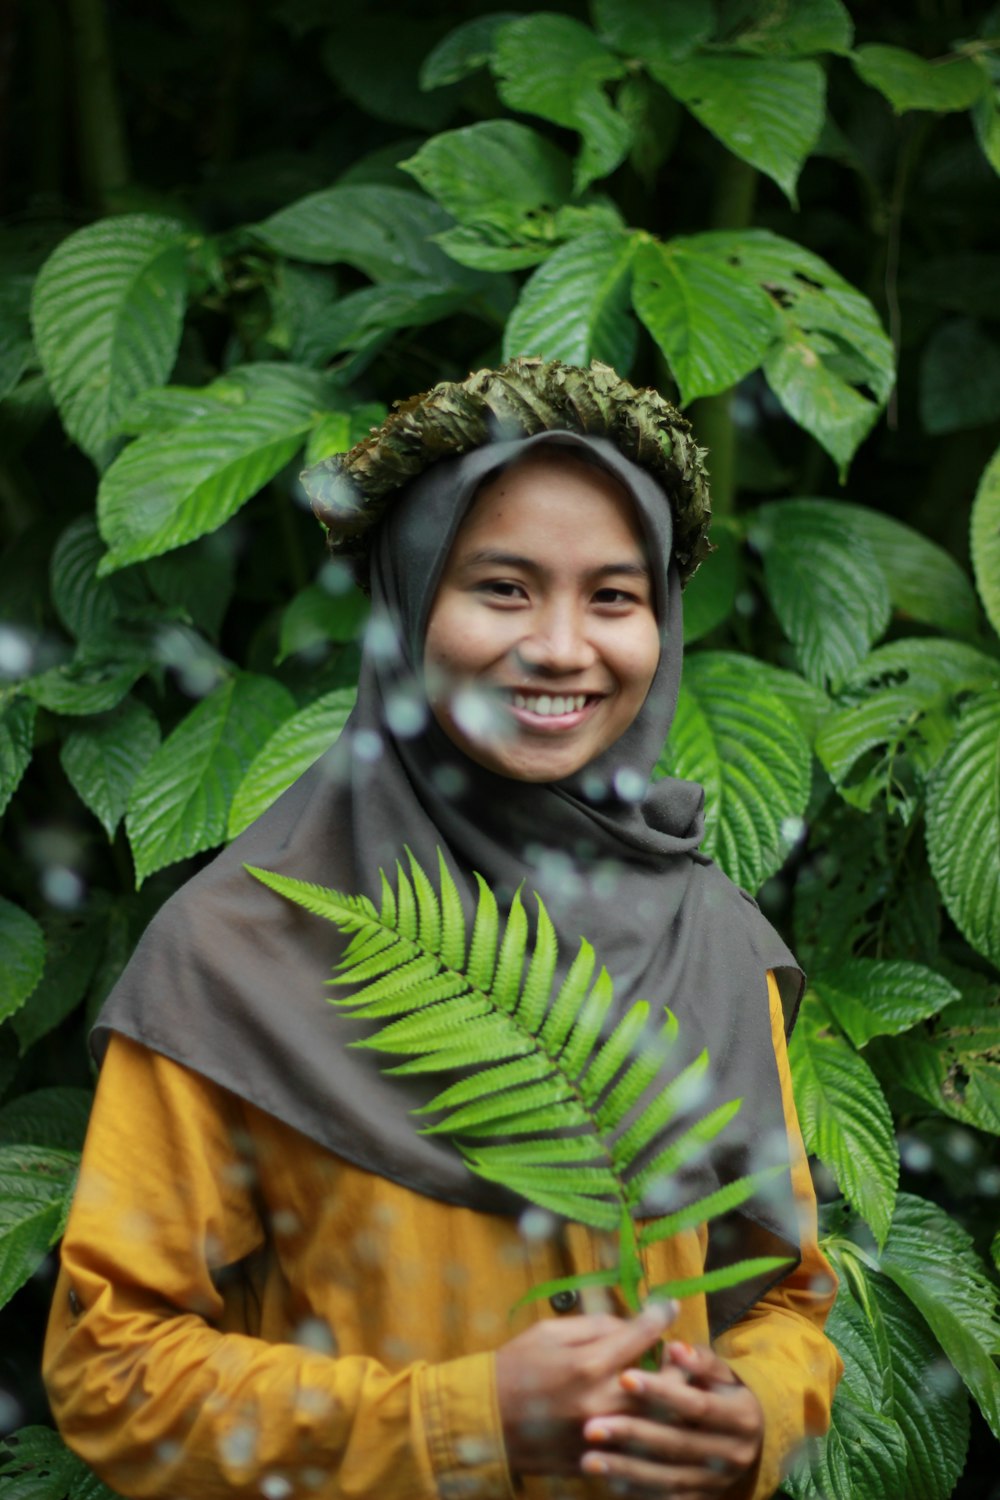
567,707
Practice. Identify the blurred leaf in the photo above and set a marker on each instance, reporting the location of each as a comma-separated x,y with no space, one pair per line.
911,82
767,111
778,29
374,58
985,540
710,595
35,1464
107,311
551,65
73,947
963,824
180,802
463,51
654,119
355,320
824,584
844,1117
653,33
316,616
15,330
17,738
22,943
748,751
35,1189
959,378
931,1259
952,1064
86,604
336,431
47,1117
169,488
986,120
925,582
575,306
965,282
713,324
874,997
103,670
103,758
383,231
198,578
289,752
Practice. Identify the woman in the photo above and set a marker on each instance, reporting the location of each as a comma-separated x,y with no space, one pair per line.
272,1284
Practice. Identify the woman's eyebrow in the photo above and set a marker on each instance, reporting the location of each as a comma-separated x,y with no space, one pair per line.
493,557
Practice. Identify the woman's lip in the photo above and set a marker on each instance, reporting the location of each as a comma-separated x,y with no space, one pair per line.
554,723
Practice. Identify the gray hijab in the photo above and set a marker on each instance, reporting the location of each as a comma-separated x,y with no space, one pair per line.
229,978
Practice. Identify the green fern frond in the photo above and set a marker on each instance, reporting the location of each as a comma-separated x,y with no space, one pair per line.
552,1105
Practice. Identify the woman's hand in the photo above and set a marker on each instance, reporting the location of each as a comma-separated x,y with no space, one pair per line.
698,1431
558,1374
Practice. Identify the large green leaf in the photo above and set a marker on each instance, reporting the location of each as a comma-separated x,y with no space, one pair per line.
963,824
953,1064
711,594
180,802
107,312
808,704
713,324
104,667
17,738
844,1117
197,579
463,51
87,605
985,540
931,1259
47,1117
22,944
289,751
767,111
170,487
911,82
824,584
73,948
575,306
103,758
798,30
551,65
318,617
35,1464
652,33
386,232
879,997
949,401
925,582
35,1189
749,752
360,319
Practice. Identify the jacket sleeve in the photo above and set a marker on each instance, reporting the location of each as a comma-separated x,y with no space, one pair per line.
148,1388
779,1348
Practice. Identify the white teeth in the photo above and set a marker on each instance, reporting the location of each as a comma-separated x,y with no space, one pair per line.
552,705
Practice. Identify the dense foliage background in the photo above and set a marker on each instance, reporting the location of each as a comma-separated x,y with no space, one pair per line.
233,232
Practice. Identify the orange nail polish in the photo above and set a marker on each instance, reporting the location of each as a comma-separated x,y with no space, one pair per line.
678,1348
593,1463
633,1381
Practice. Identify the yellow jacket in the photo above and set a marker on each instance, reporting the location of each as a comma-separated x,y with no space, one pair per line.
240,1313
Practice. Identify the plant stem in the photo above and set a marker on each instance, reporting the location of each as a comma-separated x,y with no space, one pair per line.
104,163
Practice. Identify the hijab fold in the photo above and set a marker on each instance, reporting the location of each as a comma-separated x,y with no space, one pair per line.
229,978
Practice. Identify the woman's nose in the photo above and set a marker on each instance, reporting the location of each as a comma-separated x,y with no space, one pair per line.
557,643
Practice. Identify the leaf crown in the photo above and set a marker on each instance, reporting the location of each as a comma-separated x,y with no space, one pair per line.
351,491
555,1102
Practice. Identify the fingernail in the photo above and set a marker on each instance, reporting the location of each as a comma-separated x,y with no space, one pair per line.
596,1432
593,1463
632,1381
663,1312
679,1350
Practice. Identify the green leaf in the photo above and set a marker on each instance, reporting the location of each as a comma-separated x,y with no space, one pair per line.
383,231
652,33
87,605
197,579
953,1065
844,1117
103,670
107,312
102,759
571,93
963,824
808,704
824,584
749,752
931,1259
35,1189
925,582
22,943
712,323
497,175
986,122
575,307
316,617
17,737
985,540
289,751
767,111
35,1464
463,51
876,997
911,82
169,488
781,30
180,802
710,595
73,949
49,1117
949,400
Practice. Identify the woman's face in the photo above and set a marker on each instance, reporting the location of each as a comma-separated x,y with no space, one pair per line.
545,607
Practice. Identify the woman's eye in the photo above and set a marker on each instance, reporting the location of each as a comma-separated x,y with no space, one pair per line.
614,596
502,588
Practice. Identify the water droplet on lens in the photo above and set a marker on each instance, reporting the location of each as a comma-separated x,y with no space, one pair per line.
630,784
15,652
367,746
405,713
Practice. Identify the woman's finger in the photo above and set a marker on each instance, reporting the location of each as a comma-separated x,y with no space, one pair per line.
643,1476
730,1407
665,1442
699,1362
